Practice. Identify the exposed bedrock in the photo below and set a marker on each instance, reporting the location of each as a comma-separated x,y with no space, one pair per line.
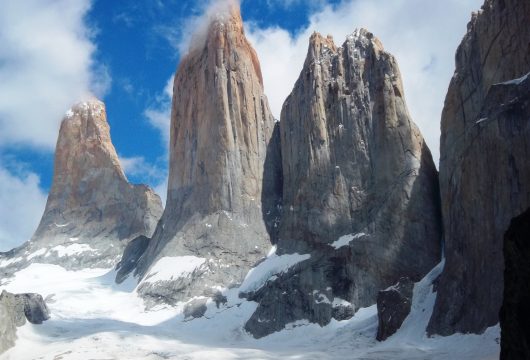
484,167
92,210
224,190
360,189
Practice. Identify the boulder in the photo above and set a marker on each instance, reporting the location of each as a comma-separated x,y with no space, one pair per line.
393,307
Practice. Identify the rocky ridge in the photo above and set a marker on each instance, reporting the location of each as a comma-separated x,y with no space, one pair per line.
360,189
484,169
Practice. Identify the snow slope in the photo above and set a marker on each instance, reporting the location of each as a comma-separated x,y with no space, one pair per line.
92,318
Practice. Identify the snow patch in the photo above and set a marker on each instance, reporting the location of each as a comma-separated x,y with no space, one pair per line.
346,239
93,319
70,250
172,268
7,262
337,302
515,81
39,252
272,266
320,298
61,225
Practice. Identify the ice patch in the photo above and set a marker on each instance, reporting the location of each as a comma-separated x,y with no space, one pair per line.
273,265
346,239
172,268
515,81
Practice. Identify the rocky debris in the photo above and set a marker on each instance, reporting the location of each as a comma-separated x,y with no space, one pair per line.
393,307
132,253
92,211
484,168
14,310
223,192
515,315
360,189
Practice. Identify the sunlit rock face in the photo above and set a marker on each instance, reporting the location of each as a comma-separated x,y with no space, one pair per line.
484,167
92,210
224,179
360,190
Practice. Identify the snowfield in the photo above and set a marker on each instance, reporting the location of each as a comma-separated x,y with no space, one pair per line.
93,318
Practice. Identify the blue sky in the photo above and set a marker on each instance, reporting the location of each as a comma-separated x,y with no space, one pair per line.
54,53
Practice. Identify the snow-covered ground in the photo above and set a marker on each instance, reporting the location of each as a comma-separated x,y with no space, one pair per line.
92,318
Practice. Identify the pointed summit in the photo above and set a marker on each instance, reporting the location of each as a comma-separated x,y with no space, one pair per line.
92,211
360,189
221,199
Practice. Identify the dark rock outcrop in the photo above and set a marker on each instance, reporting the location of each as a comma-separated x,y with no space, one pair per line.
484,167
35,308
92,210
223,197
393,307
515,311
360,189
14,310
132,253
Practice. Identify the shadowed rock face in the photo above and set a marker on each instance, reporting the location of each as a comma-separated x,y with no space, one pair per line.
224,186
353,163
484,168
92,211
515,312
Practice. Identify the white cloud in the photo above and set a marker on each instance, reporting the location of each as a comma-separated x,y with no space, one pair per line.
156,176
22,204
422,34
159,114
46,65
195,28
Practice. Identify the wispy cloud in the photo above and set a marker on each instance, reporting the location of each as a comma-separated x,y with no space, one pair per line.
154,174
46,64
159,113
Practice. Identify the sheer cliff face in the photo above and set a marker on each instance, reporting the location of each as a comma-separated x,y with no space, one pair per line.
353,163
484,168
92,211
220,182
